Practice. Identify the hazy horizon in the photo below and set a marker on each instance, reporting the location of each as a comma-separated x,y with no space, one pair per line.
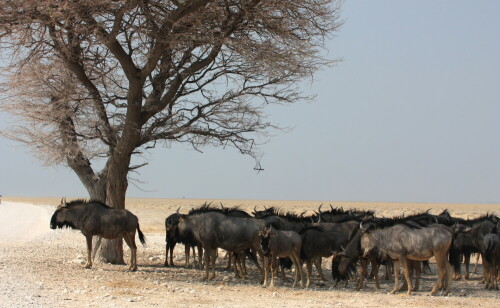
411,114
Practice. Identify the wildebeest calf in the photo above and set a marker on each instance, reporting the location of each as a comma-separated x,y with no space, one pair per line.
279,244
96,218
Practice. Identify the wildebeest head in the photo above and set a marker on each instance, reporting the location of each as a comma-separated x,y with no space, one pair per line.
265,236
367,241
172,221
60,217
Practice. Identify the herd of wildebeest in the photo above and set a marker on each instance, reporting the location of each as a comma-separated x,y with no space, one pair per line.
281,240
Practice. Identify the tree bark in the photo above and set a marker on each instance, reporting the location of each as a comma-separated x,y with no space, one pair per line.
116,188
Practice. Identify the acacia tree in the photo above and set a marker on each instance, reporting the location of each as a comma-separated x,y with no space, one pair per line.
94,82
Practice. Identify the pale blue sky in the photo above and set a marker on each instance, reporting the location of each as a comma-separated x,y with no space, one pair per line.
412,113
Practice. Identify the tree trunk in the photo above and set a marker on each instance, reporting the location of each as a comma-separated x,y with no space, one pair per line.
116,188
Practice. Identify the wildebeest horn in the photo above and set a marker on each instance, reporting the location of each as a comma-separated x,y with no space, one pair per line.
221,205
319,219
331,207
361,225
178,209
255,209
265,207
343,249
64,201
319,208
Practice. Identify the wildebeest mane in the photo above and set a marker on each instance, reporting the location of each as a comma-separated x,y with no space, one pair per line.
208,207
271,211
409,221
337,211
290,216
85,202
486,217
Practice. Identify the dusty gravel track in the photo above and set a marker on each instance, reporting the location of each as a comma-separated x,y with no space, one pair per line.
40,267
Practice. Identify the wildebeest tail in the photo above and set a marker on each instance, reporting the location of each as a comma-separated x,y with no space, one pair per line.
488,252
454,255
142,238
251,255
426,264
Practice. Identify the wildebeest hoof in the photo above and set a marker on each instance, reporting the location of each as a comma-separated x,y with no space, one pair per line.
393,291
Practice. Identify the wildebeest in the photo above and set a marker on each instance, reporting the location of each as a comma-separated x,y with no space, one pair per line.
468,238
315,251
319,243
279,244
175,235
404,241
214,229
96,218
491,257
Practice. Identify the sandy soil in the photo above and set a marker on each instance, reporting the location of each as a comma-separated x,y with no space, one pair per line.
40,267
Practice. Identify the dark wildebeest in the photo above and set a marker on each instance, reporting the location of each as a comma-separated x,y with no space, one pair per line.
96,218
175,235
214,229
343,230
320,242
280,244
405,241
466,242
491,253
285,221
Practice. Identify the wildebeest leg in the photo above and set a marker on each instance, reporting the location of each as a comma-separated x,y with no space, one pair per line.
418,271
477,261
458,273
229,257
317,264
467,263
207,262
256,262
362,273
273,270
442,281
375,267
389,267
239,261
130,240
283,275
89,251
406,271
187,253
396,276
266,270
235,262
213,257
309,270
194,256
200,256
298,269
167,246
170,248
229,260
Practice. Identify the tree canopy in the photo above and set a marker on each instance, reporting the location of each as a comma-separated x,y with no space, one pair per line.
105,79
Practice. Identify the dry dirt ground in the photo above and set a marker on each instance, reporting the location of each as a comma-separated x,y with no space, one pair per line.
40,267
